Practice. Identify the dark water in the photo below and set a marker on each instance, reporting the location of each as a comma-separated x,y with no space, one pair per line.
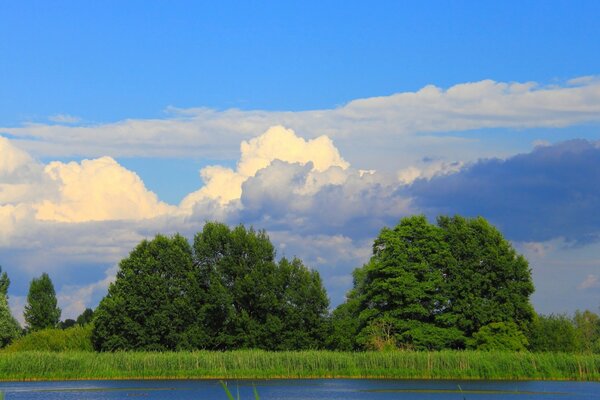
321,389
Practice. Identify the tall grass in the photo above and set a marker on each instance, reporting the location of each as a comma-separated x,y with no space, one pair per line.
304,364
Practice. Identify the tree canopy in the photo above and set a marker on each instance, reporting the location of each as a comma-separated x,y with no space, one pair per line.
432,286
150,304
225,292
41,310
9,327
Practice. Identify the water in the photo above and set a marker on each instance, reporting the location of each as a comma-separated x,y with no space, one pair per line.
305,389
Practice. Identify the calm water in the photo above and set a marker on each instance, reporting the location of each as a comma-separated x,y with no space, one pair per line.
321,389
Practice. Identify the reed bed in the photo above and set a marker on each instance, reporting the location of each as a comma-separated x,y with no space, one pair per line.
304,364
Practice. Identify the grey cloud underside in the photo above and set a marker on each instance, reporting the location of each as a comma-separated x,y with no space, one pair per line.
551,192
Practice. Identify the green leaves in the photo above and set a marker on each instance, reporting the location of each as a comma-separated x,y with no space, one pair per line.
41,310
437,285
226,292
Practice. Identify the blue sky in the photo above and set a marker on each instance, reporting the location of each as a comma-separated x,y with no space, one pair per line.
124,119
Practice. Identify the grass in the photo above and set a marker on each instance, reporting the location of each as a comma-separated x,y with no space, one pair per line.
305,364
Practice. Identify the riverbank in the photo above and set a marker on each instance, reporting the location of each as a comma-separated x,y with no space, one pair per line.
247,364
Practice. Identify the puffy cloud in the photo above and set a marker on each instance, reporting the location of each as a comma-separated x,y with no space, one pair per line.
98,190
277,143
548,193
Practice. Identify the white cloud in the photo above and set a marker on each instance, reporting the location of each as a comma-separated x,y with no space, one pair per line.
98,190
422,119
277,143
592,281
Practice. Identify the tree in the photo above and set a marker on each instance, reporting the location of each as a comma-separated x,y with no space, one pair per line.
432,286
4,283
85,317
66,324
587,328
151,303
553,333
403,286
41,310
9,327
488,281
251,301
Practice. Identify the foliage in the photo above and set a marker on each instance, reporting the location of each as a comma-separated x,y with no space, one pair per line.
496,336
587,328
66,324
9,327
226,292
250,301
553,333
57,340
85,317
488,281
150,304
4,283
435,286
257,364
41,310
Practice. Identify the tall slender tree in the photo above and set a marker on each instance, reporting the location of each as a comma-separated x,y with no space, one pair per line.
9,327
41,310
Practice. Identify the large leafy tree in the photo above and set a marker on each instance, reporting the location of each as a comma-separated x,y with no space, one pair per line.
151,303
432,286
9,327
488,282
403,287
226,292
41,310
251,301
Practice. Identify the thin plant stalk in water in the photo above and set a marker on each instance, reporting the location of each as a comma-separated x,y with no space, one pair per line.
230,396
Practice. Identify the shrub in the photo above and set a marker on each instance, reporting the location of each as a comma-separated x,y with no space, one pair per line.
499,336
78,338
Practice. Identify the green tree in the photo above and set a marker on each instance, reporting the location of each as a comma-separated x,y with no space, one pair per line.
66,324
249,300
553,333
9,327
432,287
587,328
85,317
403,286
41,310
151,303
4,283
488,282
504,336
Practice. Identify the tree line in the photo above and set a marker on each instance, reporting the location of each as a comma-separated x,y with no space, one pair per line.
456,284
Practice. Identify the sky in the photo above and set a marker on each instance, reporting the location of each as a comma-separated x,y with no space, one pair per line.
321,122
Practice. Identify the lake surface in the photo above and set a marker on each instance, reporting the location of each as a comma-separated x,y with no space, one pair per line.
308,389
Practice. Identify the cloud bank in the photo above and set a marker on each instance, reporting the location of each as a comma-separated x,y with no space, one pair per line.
411,124
304,185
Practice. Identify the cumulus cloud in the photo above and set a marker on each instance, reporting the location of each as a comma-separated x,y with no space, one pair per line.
277,143
80,218
98,190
